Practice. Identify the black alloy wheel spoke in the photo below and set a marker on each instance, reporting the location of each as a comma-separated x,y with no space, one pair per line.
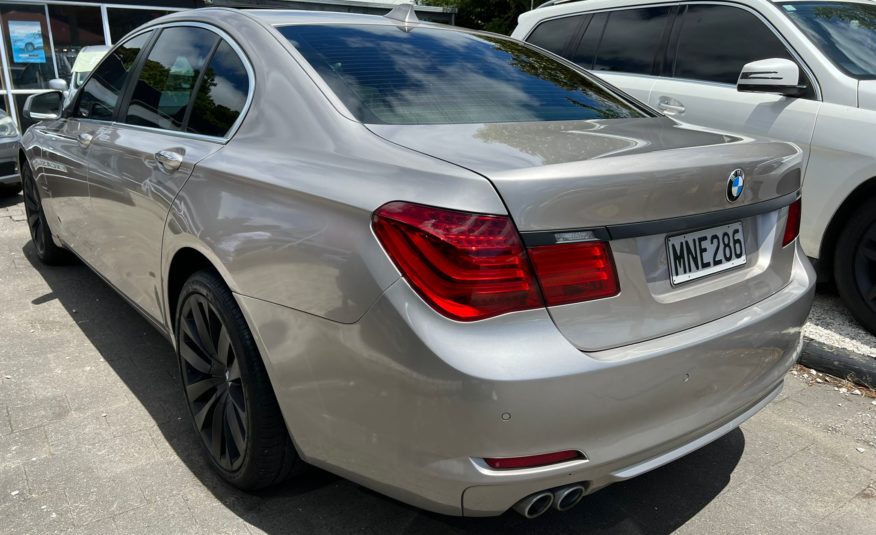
217,429
193,356
233,369
212,380
202,416
197,389
237,403
223,346
235,427
33,210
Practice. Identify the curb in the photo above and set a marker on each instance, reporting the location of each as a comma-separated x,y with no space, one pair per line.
839,362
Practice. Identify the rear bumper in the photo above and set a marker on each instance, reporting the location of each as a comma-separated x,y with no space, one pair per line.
407,402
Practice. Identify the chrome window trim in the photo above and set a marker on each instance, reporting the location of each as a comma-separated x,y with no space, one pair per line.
592,11
250,72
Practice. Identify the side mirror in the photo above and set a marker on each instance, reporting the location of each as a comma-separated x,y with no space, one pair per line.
775,75
44,106
58,84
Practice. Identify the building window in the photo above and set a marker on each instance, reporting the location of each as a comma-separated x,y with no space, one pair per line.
121,21
31,61
73,27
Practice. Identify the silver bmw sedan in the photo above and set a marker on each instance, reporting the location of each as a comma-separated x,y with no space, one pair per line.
445,264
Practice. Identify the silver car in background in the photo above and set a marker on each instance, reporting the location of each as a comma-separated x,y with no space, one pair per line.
10,181
441,263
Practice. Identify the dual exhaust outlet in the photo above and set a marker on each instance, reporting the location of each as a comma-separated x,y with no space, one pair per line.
561,498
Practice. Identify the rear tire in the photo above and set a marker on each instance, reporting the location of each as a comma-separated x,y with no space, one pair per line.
9,190
854,265
230,398
40,234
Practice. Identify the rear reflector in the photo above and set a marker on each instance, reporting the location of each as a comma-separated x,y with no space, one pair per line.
575,272
466,266
532,461
792,226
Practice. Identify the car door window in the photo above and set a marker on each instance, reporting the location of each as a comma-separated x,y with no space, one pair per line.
715,42
585,52
100,95
167,79
555,34
631,40
221,95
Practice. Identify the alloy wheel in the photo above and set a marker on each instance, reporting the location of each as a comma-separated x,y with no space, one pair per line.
211,377
34,211
865,266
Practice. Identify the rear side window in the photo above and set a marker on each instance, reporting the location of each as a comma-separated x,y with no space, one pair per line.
631,40
555,34
715,42
585,52
167,79
389,75
101,93
221,94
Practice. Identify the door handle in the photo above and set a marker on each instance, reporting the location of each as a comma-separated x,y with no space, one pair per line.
168,160
85,139
670,106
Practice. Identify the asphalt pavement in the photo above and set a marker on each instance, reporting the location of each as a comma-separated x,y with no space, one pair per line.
94,438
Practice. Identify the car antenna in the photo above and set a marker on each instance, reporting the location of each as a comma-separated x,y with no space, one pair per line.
403,13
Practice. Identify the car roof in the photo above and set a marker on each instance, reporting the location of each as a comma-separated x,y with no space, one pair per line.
576,6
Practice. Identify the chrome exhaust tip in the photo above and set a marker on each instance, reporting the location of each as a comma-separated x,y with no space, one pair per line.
566,498
535,505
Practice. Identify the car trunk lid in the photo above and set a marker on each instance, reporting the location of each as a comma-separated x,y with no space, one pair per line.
634,183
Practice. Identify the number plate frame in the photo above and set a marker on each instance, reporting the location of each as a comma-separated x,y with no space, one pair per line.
676,279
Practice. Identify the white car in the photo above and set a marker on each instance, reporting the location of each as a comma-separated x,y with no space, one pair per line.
702,63
86,61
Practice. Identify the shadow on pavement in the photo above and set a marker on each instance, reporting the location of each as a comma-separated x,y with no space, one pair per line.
11,200
658,502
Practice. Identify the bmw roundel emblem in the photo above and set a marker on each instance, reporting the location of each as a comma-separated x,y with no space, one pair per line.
735,185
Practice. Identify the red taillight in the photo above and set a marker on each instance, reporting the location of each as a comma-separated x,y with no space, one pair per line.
792,225
467,266
533,461
472,266
574,272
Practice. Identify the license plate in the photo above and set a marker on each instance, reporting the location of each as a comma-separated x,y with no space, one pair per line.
705,252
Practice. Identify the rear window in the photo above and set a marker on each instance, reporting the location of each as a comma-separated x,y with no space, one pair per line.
389,75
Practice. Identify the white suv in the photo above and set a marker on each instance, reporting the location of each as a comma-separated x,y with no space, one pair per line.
700,62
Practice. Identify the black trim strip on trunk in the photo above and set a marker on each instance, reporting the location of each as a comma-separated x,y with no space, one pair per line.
666,226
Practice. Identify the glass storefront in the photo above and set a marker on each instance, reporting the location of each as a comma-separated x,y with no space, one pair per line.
123,20
74,27
39,41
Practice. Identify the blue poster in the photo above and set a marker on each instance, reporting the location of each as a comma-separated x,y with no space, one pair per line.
27,41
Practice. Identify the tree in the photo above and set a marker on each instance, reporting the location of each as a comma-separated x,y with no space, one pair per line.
498,16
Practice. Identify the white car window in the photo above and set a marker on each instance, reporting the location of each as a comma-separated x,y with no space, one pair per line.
743,39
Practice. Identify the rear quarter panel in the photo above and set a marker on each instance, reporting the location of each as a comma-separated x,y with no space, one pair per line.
842,158
295,227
